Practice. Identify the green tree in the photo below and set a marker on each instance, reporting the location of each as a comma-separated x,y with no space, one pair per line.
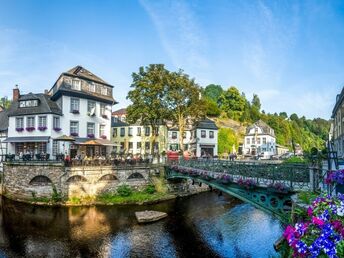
226,139
256,102
148,97
211,108
283,115
213,92
232,103
5,102
184,102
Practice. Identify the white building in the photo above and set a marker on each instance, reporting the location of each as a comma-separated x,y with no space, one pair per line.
259,140
3,135
79,105
205,138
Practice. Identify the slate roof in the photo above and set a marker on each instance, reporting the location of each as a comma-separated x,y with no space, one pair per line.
206,124
81,72
266,129
4,120
45,106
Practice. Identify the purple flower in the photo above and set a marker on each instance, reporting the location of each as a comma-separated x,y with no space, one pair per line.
30,129
42,128
57,129
20,129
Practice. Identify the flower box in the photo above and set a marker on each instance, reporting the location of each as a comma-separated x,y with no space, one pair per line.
57,129
103,137
42,128
278,188
19,129
90,135
30,129
247,183
74,134
75,111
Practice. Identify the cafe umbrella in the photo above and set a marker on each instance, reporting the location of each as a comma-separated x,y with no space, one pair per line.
64,138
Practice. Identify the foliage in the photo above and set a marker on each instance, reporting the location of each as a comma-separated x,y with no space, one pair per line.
226,139
232,102
124,190
295,159
56,196
74,200
5,102
211,108
150,189
213,92
335,177
322,232
307,197
135,197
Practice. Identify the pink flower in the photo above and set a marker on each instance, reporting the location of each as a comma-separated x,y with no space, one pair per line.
318,221
337,225
309,211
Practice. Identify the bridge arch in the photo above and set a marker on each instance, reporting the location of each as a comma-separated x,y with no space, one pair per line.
40,180
136,175
108,177
76,179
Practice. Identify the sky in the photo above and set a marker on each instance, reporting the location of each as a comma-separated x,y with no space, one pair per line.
290,53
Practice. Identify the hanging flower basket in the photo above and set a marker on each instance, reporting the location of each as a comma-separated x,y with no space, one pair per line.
225,179
247,183
336,178
278,188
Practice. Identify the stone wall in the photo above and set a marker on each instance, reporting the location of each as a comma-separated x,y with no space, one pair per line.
37,180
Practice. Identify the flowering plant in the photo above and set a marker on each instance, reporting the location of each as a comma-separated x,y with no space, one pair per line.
57,129
205,176
103,137
42,128
279,187
247,183
323,230
74,134
75,111
20,129
90,135
336,176
225,179
30,129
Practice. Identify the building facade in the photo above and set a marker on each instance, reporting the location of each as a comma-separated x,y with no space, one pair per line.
337,129
78,105
3,135
259,140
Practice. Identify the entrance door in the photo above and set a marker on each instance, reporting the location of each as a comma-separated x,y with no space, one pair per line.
207,151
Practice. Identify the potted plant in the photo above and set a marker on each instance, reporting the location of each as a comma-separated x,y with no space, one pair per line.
336,178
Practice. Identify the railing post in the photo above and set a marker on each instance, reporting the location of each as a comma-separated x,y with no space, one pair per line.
311,179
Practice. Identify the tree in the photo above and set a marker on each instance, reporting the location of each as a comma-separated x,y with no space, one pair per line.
226,139
283,115
294,117
184,102
213,92
211,108
5,102
148,97
256,102
232,103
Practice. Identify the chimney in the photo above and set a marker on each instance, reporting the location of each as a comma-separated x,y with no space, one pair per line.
46,92
16,93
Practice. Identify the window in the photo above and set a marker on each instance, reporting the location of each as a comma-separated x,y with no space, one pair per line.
130,145
30,121
101,130
264,140
56,148
76,85
74,104
56,122
114,132
130,131
253,140
156,131
103,91
92,87
258,140
203,134
74,128
122,132
102,109
42,121
91,107
211,134
138,145
42,147
248,140
90,130
28,103
156,147
147,131
174,135
138,131
19,122
147,146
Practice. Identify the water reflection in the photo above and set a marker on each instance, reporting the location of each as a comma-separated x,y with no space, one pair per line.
200,226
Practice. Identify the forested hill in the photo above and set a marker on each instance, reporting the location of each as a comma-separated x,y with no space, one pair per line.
231,104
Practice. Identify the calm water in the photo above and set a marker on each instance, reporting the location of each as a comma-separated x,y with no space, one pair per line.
199,226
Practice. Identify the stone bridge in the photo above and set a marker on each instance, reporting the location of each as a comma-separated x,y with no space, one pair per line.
266,186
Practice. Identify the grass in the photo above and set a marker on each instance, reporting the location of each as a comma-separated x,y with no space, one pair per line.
41,199
135,197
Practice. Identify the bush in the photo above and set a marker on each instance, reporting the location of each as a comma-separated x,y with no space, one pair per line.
295,159
56,196
150,189
124,190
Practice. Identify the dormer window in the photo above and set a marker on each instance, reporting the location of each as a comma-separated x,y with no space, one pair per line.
104,91
92,87
28,103
76,85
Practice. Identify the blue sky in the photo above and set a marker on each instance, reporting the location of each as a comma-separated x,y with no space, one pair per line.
291,53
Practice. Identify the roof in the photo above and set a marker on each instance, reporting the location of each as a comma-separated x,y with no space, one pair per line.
81,72
28,139
339,100
206,124
45,106
3,121
266,129
119,112
117,123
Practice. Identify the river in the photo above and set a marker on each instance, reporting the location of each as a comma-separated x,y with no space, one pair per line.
203,225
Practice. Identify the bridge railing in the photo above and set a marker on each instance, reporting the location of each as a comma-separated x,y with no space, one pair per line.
295,176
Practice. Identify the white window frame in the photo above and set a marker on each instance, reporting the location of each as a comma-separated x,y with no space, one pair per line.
90,105
101,130
74,128
76,84
21,119
91,128
28,123
92,87
56,122
74,104
42,121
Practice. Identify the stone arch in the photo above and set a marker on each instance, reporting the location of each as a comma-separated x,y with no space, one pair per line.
108,177
136,175
40,181
76,179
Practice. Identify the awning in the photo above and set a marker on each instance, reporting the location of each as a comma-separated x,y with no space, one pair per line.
27,139
97,142
65,138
